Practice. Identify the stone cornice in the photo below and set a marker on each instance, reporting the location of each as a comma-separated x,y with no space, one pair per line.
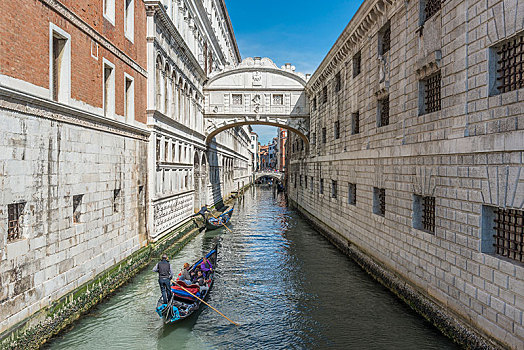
231,32
21,102
157,9
83,26
367,15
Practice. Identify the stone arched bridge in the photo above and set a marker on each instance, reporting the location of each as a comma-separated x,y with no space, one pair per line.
273,174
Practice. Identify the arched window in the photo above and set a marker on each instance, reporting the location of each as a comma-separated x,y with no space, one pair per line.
173,94
158,83
166,89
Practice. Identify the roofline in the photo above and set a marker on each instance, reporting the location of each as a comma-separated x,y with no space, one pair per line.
231,31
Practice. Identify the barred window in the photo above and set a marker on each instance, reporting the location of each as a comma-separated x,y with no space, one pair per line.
379,201
338,82
15,214
278,99
312,184
430,8
305,179
503,232
314,103
324,95
313,138
383,112
385,39
333,189
77,201
237,99
336,129
116,200
510,64
355,123
424,213
323,135
356,64
352,194
321,187
166,150
431,87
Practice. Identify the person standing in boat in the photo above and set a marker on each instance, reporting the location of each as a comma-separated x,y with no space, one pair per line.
206,267
202,212
163,267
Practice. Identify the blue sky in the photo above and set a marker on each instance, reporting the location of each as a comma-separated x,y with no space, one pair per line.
289,31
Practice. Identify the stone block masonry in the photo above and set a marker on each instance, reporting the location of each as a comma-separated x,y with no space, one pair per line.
435,169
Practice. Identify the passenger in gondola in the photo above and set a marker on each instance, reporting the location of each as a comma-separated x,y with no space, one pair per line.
200,280
206,267
163,267
185,276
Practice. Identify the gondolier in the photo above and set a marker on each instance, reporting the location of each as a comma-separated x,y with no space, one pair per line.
202,212
163,267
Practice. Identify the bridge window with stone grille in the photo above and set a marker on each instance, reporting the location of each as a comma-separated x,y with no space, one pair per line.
431,87
77,202
384,39
278,99
357,58
333,189
424,213
510,64
383,112
237,99
503,232
352,194
15,213
430,8
379,201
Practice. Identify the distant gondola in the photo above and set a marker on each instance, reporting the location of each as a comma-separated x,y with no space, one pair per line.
213,223
183,304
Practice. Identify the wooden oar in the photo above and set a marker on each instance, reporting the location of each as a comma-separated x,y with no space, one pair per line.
221,222
233,322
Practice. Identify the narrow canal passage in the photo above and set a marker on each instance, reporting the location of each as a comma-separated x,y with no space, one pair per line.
286,285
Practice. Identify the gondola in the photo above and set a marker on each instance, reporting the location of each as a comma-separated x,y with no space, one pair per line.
213,223
182,304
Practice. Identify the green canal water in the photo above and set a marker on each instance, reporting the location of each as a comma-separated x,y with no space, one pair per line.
286,285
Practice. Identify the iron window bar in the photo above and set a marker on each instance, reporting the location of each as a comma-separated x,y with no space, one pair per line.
428,214
432,93
382,201
384,111
509,233
14,215
386,40
511,64
430,8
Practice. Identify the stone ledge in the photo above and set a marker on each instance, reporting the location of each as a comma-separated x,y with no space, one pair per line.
448,323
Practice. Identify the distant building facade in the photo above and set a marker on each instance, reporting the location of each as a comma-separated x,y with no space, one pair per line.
281,149
415,154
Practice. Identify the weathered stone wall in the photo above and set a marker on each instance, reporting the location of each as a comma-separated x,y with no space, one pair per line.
44,163
468,155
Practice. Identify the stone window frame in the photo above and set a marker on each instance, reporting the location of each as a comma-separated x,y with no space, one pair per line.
324,94
129,20
384,39
63,94
275,99
314,103
357,63
494,62
108,9
352,194
338,82
108,88
355,123
424,90
379,201
129,98
491,235
15,218
334,189
381,103
424,217
321,186
237,99
336,129
77,206
324,135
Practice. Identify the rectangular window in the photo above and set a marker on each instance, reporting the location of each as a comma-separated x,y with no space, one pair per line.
355,123
300,180
77,203
129,19
312,184
321,187
430,8
157,150
59,64
336,130
15,214
324,95
424,213
383,112
352,194
278,99
313,138
295,181
129,99
503,232
116,200
109,11
379,201
338,82
314,104
166,151
333,189
509,62
384,39
431,93
237,99
305,179
324,139
356,64
109,89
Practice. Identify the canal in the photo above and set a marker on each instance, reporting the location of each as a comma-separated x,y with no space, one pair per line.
286,285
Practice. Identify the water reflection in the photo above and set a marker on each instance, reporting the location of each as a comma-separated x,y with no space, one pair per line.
285,284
